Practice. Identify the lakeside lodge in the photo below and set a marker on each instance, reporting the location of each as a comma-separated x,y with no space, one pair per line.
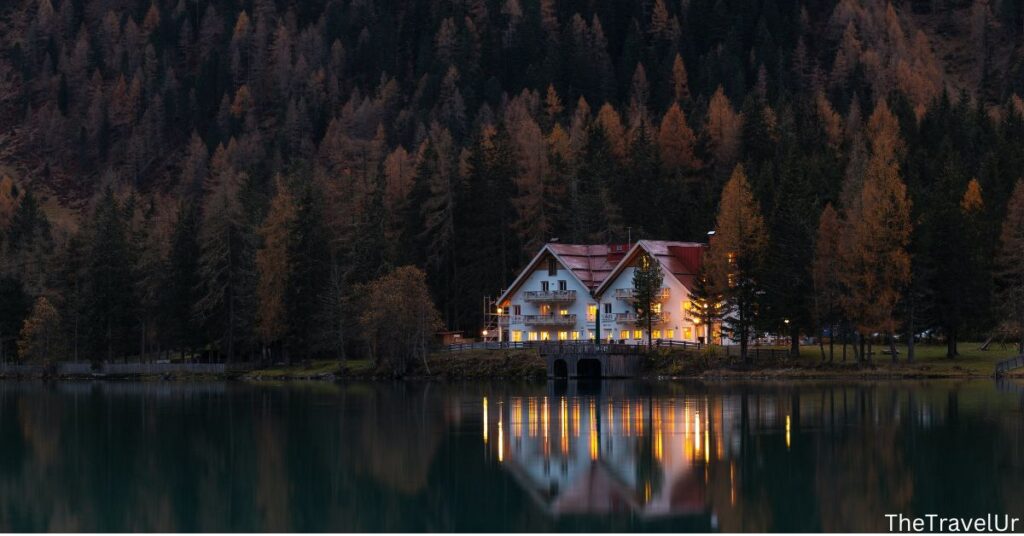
584,292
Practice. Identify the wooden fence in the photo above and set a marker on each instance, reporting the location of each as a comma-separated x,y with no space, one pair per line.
1007,365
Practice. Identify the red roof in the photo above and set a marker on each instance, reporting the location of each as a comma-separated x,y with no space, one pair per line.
681,259
592,264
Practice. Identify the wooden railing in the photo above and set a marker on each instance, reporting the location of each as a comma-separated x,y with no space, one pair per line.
550,295
632,318
549,320
1007,365
629,294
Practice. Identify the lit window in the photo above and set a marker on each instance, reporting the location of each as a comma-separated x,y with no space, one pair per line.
545,310
591,312
638,334
624,334
517,336
563,335
575,335
563,312
656,308
545,336
687,305
532,336
656,334
687,333
670,334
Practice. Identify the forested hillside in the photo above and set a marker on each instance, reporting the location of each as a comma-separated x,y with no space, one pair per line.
190,174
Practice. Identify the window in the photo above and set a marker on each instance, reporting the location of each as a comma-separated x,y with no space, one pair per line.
517,310
563,335
656,308
545,310
532,336
563,312
591,312
624,334
545,336
562,284
517,336
552,267
670,334
575,335
687,333
607,308
638,334
545,286
687,305
656,334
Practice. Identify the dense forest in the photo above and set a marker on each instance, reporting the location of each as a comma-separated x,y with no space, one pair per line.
228,176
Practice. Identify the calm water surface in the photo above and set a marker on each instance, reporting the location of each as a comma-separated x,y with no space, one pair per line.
494,457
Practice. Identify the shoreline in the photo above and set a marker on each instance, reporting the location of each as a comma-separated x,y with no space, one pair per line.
520,364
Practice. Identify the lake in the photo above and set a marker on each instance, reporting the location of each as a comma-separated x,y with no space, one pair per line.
615,455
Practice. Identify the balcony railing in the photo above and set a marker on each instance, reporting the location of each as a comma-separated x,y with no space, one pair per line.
546,320
631,318
629,294
559,296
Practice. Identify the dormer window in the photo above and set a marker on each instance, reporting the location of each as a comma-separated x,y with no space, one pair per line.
552,267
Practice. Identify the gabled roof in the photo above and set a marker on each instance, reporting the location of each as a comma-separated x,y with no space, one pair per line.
589,264
680,259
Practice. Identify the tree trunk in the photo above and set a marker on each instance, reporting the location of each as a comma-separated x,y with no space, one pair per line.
910,333
794,340
892,347
832,344
951,343
821,347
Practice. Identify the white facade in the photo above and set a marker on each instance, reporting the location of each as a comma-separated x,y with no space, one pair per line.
675,321
551,303
564,294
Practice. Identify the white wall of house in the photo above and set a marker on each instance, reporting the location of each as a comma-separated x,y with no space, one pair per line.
678,325
542,317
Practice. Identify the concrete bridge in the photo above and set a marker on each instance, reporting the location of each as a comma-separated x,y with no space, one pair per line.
591,360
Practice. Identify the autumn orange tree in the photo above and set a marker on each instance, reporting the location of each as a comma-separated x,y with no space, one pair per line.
40,339
399,318
737,255
272,267
876,262
827,266
1010,261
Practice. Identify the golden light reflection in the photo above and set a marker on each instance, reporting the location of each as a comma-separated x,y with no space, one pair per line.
787,432
594,446
575,417
532,416
517,417
696,432
707,449
546,427
563,417
732,483
625,418
658,440
611,419
501,435
485,420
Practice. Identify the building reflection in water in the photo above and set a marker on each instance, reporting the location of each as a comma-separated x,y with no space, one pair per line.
616,454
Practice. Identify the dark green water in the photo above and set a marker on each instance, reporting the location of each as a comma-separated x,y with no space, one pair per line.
544,457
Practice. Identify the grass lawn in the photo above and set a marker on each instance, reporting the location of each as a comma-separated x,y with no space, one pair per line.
355,367
927,357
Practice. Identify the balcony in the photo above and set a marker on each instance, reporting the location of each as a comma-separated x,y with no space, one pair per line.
550,296
631,318
547,320
629,294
